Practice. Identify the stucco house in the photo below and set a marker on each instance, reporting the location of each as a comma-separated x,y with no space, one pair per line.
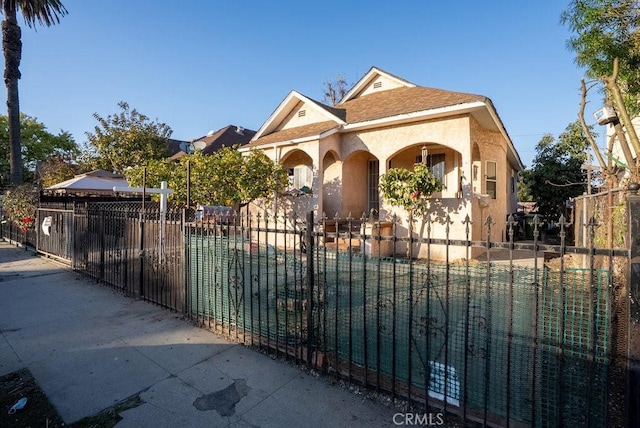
339,152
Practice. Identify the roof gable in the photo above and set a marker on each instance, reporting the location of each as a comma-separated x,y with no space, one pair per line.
374,81
297,110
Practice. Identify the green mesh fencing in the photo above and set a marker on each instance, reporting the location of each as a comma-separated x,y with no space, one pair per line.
574,325
411,323
486,338
253,287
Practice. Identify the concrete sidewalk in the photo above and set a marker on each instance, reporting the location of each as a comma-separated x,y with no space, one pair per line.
90,348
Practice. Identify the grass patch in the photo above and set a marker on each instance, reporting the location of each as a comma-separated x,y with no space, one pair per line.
110,417
38,412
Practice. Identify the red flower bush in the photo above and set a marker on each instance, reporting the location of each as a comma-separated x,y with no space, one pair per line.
20,205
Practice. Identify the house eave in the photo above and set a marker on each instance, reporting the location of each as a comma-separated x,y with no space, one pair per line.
415,116
293,141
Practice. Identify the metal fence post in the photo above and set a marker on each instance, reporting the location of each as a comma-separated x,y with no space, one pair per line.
310,278
633,305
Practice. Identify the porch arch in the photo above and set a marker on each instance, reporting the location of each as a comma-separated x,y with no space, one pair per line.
331,184
360,175
445,162
299,166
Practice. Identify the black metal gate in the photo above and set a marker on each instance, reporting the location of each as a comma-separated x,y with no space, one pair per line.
136,251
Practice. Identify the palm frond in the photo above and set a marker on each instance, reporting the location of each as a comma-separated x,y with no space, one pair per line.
43,12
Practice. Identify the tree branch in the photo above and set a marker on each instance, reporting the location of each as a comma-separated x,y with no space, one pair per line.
612,85
587,131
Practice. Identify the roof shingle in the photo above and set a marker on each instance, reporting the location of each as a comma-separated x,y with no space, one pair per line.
404,100
288,134
378,105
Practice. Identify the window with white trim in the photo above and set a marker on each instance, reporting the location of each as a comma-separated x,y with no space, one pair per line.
491,179
300,176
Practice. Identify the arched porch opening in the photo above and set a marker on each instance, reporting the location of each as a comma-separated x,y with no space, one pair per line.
331,184
360,175
445,163
299,166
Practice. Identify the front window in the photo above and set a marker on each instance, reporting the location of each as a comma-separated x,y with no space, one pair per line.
491,178
437,166
300,177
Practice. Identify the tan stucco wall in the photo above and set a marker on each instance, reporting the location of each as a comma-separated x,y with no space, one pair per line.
311,115
345,175
402,143
384,82
385,142
354,190
493,147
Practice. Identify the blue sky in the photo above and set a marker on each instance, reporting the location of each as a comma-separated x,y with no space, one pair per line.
202,65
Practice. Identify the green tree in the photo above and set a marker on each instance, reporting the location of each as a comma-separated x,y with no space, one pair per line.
605,30
43,12
606,42
56,169
123,140
38,144
225,177
524,194
557,174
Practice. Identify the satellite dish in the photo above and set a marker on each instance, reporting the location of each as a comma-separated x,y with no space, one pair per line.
210,133
199,145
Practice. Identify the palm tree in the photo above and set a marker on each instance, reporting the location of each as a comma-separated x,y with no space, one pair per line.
43,12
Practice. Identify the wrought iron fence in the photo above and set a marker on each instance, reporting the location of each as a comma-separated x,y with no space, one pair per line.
133,247
494,339
55,233
494,342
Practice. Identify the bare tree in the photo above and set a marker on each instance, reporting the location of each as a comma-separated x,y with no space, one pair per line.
335,90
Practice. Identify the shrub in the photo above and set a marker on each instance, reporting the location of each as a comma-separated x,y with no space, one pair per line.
409,189
20,205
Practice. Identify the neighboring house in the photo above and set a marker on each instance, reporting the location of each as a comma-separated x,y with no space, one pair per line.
228,136
384,122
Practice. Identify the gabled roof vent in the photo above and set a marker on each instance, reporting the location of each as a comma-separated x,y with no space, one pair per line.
377,85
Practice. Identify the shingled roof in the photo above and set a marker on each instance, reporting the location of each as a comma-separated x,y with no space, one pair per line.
399,101
229,136
288,134
378,105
